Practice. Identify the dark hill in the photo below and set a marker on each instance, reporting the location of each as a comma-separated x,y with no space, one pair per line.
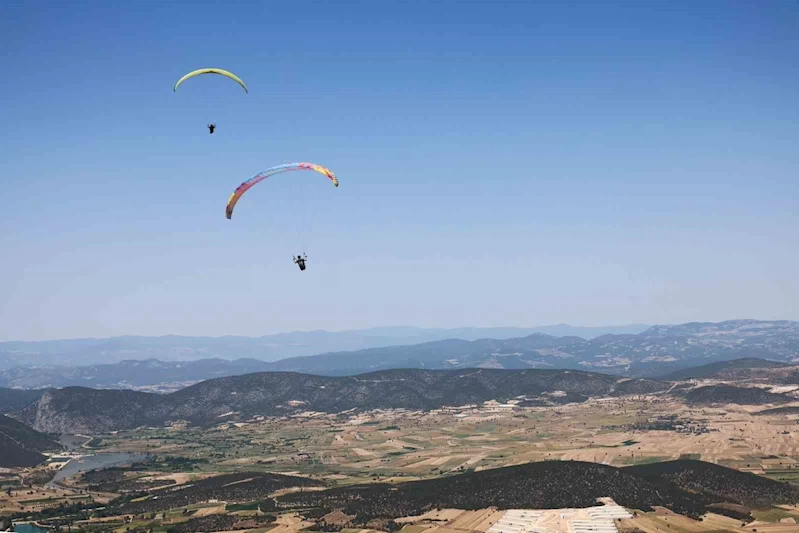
686,487
239,487
788,410
83,410
20,445
723,369
549,484
411,388
16,399
737,395
269,393
720,483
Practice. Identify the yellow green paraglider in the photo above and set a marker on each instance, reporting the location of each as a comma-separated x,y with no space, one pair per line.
219,71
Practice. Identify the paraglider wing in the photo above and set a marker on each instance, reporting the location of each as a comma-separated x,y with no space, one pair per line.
219,71
244,187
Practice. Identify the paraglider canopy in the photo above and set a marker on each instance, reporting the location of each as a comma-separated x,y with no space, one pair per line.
219,71
244,187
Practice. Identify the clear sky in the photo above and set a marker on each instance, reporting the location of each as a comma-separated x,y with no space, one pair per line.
501,163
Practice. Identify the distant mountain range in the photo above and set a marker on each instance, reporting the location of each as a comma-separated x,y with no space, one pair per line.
657,351
148,375
79,352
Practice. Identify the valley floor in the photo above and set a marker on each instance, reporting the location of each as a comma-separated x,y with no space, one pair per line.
402,445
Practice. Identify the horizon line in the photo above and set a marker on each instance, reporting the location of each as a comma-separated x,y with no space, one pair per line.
371,328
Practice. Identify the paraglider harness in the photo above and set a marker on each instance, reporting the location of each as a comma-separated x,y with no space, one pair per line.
211,128
300,261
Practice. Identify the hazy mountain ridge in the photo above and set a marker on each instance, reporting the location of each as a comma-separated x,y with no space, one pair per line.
266,348
276,393
655,351
129,374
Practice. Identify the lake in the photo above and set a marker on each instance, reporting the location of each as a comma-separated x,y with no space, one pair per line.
28,528
94,462
73,442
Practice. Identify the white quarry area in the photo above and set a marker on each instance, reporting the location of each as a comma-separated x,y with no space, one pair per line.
599,519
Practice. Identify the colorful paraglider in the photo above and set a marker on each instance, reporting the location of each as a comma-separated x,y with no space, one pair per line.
244,187
299,260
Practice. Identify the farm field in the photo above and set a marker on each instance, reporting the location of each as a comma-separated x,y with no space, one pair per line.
404,445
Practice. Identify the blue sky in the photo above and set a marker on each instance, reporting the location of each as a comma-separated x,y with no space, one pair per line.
501,163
